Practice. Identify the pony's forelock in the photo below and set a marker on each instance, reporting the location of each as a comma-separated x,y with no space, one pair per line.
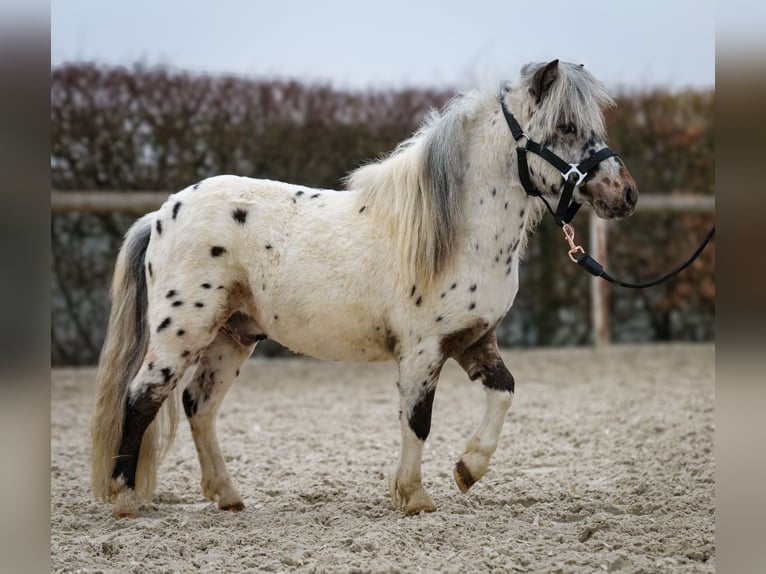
575,96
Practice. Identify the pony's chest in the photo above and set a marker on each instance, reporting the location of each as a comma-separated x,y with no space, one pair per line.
482,291
503,285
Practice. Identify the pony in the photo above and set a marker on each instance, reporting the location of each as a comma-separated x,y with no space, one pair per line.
416,261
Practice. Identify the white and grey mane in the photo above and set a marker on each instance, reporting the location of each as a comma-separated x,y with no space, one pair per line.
427,171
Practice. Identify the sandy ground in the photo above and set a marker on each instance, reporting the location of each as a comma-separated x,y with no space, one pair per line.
605,464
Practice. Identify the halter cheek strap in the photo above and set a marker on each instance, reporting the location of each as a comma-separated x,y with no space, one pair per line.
572,173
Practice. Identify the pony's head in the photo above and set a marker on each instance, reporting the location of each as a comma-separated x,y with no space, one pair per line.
562,110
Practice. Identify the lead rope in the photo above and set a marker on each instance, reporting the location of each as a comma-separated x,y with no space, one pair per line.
578,255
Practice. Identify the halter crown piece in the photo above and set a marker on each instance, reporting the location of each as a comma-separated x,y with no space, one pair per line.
573,173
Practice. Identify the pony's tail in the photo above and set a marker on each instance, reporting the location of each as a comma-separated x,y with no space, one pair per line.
123,352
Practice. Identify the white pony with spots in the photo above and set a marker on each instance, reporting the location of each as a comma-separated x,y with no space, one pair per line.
416,262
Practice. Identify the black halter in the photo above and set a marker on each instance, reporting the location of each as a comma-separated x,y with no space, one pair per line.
573,173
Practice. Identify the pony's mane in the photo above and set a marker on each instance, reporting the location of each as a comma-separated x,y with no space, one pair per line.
576,96
416,192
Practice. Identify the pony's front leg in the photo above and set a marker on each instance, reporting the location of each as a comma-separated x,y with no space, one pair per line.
482,360
417,386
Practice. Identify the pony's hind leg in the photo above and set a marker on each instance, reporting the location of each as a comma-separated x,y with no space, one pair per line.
178,332
216,371
482,360
156,379
417,385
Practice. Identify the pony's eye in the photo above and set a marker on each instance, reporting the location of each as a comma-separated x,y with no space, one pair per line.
567,128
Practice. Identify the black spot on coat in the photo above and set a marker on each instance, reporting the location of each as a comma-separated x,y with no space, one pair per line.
164,324
420,418
176,207
217,251
240,216
159,227
190,403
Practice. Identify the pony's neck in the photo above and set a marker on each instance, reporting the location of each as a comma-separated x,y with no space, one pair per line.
497,210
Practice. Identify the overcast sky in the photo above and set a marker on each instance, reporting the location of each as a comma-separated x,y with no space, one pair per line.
392,43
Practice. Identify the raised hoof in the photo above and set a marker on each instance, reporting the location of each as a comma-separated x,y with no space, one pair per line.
233,507
463,477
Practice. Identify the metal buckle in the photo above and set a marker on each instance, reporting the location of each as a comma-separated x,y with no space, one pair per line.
574,168
569,234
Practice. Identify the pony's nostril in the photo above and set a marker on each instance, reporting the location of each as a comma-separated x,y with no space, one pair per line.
631,195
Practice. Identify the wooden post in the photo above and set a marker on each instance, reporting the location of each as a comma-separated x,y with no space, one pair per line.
599,289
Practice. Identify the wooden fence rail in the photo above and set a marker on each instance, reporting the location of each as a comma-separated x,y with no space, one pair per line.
140,202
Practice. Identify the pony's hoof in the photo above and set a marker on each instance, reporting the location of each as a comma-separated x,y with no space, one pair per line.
238,506
410,500
417,508
120,514
125,505
463,477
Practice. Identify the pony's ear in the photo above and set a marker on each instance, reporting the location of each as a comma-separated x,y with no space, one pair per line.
543,80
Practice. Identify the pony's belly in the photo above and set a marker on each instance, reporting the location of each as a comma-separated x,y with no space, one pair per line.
334,332
333,346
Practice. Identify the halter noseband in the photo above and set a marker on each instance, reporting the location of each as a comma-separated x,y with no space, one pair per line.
573,173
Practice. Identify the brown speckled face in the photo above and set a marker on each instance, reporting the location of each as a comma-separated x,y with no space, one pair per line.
609,188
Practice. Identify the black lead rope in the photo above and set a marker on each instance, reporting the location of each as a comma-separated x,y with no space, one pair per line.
597,270
574,174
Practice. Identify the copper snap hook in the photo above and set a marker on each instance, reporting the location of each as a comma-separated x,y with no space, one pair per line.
569,234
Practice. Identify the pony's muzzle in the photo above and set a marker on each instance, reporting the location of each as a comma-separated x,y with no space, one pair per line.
625,203
630,193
